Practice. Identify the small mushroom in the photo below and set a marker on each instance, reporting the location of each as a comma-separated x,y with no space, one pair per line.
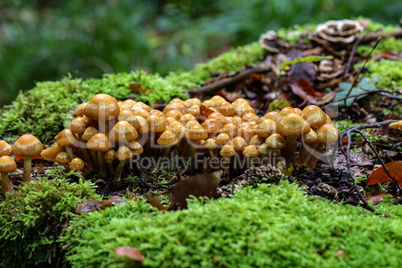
99,144
396,125
227,152
123,154
63,159
250,152
167,140
5,148
7,165
27,146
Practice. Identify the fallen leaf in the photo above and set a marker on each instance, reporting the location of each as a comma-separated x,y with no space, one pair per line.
129,252
205,111
379,175
360,159
92,205
376,198
138,88
304,90
229,96
198,185
18,158
155,201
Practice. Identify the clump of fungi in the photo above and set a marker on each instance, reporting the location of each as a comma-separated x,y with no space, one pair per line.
107,135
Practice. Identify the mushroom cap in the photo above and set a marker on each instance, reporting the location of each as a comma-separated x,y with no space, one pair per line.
250,151
175,114
243,108
210,144
314,116
263,149
141,125
142,112
211,126
27,145
239,102
156,124
222,139
79,111
265,128
250,117
167,138
185,118
102,107
5,148
246,132
51,153
229,129
99,142
256,140
109,155
270,115
396,125
79,124
62,158
217,99
135,147
124,115
327,133
310,137
123,132
191,123
194,110
284,112
226,108
179,130
275,141
7,164
239,143
175,106
197,133
140,105
209,103
77,164
191,102
292,125
227,151
124,153
89,133
68,139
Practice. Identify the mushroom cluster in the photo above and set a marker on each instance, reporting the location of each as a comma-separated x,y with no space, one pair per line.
26,146
108,134
342,32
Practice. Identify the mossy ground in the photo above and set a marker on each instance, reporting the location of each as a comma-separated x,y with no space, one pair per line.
268,226
271,226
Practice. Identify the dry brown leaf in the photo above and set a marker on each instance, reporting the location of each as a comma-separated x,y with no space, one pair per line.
130,252
205,111
92,205
229,96
304,90
379,175
376,198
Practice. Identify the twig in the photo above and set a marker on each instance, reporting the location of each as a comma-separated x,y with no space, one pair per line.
348,133
361,69
351,178
230,80
352,54
374,36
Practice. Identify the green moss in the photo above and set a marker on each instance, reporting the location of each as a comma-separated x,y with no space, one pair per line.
33,218
270,226
388,44
233,60
48,108
388,72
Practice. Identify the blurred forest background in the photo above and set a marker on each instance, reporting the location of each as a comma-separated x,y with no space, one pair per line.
45,40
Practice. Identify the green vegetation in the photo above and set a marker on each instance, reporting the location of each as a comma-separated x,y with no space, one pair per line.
270,226
48,108
33,218
388,72
45,40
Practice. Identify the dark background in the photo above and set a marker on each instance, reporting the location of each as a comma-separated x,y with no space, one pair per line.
45,40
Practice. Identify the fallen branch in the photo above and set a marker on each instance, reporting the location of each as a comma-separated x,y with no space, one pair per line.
230,80
370,37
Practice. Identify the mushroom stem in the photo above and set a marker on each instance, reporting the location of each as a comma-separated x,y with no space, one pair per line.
85,152
95,159
289,152
111,168
312,162
226,164
101,161
5,183
306,152
69,151
119,169
27,169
